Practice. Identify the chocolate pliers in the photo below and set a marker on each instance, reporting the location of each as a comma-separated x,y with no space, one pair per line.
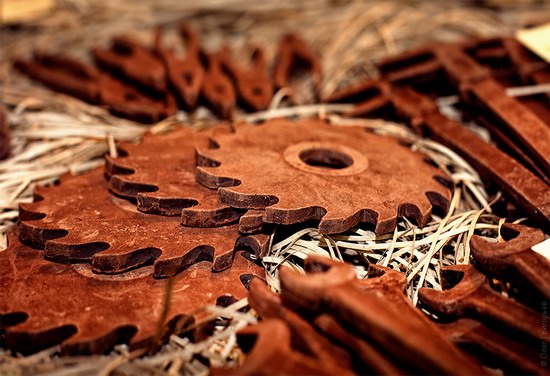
217,88
134,62
254,86
294,52
185,74
85,82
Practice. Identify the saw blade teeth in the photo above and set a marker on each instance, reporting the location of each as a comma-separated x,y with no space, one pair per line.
36,233
212,178
68,249
275,214
239,197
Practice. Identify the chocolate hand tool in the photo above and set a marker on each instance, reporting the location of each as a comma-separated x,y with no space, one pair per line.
184,74
304,337
269,352
371,360
217,88
492,348
4,135
253,86
160,174
506,113
514,258
468,294
519,184
84,82
43,304
333,288
133,61
115,237
370,96
313,171
293,52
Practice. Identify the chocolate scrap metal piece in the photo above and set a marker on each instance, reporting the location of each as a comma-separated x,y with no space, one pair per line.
184,74
84,82
5,142
133,61
217,88
269,352
492,348
507,113
313,171
515,258
333,288
160,173
467,294
304,336
369,95
43,304
254,86
519,184
411,66
115,237
294,52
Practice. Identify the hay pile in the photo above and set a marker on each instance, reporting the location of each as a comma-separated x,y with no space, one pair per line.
54,134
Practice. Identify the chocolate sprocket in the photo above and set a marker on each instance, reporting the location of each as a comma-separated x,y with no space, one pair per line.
160,174
44,303
310,170
79,220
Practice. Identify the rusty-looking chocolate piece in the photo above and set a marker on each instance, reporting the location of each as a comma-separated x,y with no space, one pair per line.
304,336
269,352
253,86
494,349
518,183
369,95
293,52
217,88
313,171
184,74
516,120
514,258
468,294
4,135
333,288
115,237
84,82
133,61
160,174
270,305
43,304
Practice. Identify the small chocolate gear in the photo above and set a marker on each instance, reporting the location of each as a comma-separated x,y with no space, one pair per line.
160,174
43,303
79,220
309,170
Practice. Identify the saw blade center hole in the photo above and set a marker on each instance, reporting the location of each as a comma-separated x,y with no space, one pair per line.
326,158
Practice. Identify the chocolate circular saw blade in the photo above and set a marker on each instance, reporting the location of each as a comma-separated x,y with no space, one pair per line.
160,174
310,170
79,220
43,303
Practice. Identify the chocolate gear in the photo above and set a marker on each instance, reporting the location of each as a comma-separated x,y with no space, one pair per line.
79,221
160,174
310,170
43,304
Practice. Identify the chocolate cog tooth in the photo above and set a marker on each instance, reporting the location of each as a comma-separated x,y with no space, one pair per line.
309,170
160,174
84,222
43,303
